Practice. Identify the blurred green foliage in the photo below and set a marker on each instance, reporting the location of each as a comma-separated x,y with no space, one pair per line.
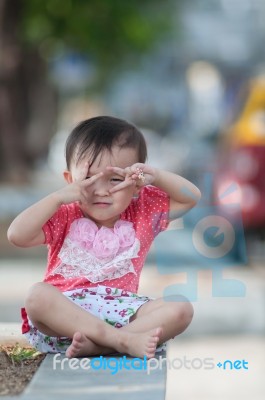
106,30
110,34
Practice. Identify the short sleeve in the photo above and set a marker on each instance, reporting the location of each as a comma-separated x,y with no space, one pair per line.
57,226
156,207
152,209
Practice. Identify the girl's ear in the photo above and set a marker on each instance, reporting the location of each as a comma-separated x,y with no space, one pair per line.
67,176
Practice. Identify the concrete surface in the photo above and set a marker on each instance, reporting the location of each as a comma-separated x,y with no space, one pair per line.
194,381
223,329
10,333
97,384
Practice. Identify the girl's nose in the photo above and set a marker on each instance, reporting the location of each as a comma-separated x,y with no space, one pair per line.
101,188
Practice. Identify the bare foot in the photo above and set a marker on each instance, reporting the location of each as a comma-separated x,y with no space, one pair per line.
134,344
141,344
83,346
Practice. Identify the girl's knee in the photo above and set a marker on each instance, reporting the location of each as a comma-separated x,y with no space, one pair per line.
187,312
37,297
182,309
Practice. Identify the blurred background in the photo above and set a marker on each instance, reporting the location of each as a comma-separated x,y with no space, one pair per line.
191,76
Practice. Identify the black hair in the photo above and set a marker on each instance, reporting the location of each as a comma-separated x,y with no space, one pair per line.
102,133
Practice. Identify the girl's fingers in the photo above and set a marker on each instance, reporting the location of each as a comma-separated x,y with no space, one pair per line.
131,172
92,179
122,185
119,171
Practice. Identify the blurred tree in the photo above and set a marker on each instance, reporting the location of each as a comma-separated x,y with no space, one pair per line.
32,32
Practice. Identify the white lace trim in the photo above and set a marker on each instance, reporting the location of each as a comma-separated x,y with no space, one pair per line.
78,262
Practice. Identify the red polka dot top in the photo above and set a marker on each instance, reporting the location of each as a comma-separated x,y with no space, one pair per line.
149,215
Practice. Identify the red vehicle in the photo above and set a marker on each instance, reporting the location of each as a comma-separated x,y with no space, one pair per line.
241,173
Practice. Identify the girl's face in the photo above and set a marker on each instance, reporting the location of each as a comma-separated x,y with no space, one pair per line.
103,207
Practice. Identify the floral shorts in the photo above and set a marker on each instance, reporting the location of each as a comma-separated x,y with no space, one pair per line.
112,305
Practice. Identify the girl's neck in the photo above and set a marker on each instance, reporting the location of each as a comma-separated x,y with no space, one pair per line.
107,224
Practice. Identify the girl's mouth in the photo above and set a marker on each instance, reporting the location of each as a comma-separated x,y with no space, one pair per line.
101,204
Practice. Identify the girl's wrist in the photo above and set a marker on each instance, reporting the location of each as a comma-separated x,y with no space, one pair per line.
56,198
156,177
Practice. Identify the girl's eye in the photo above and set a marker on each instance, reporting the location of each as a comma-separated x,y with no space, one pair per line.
87,177
116,180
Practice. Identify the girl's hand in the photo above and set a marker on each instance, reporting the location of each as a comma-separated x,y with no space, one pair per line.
80,188
137,174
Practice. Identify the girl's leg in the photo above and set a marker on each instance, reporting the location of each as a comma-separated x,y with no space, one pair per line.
53,314
172,314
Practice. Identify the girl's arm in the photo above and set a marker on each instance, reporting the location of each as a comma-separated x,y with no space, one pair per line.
183,194
26,229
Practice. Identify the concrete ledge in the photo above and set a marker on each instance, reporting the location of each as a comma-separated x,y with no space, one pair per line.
80,383
10,334
59,381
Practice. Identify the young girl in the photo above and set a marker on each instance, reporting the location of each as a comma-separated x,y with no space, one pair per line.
98,229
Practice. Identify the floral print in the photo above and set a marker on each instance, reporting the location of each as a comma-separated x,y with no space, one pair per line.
112,305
